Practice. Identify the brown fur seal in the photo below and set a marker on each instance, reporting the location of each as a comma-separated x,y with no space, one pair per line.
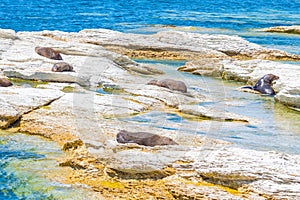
264,84
5,83
62,67
170,84
143,138
48,53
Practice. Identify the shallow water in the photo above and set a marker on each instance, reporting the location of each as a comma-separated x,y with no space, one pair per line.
25,161
29,170
278,127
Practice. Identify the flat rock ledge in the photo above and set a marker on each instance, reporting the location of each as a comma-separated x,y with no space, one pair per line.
174,45
84,110
283,29
18,101
249,71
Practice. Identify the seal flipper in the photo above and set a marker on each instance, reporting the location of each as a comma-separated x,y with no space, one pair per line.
247,87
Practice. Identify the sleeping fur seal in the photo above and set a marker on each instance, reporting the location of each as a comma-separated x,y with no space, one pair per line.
5,83
264,84
170,84
62,67
48,53
143,138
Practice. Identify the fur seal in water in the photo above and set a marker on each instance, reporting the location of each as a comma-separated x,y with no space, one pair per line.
5,83
48,53
143,138
264,84
62,67
170,84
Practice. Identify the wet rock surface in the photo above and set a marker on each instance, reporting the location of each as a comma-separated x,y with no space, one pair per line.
84,110
283,29
250,71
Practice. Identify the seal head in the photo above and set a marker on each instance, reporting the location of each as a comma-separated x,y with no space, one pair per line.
62,67
5,83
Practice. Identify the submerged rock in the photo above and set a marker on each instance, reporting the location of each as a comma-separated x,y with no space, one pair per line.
200,111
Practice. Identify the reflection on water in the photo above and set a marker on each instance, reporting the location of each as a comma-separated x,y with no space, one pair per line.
278,127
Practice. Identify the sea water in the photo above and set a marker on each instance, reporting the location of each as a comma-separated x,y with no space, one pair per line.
23,158
237,17
29,170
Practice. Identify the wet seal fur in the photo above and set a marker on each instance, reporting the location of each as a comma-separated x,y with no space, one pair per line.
48,53
264,84
5,83
170,84
62,67
143,138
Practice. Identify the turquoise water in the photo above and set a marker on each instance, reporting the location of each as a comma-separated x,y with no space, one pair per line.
275,127
144,16
26,160
29,170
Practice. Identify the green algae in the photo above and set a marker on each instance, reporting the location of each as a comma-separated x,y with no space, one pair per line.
31,83
69,89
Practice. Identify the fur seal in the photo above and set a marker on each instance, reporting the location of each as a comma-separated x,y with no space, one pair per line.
5,83
264,84
170,84
143,138
48,53
62,67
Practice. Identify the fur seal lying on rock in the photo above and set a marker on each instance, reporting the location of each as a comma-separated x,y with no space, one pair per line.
62,67
264,84
48,53
5,83
143,138
170,84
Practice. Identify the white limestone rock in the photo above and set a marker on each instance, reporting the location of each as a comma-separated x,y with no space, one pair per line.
17,101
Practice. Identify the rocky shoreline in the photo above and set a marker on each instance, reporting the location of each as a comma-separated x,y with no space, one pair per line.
65,107
283,29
